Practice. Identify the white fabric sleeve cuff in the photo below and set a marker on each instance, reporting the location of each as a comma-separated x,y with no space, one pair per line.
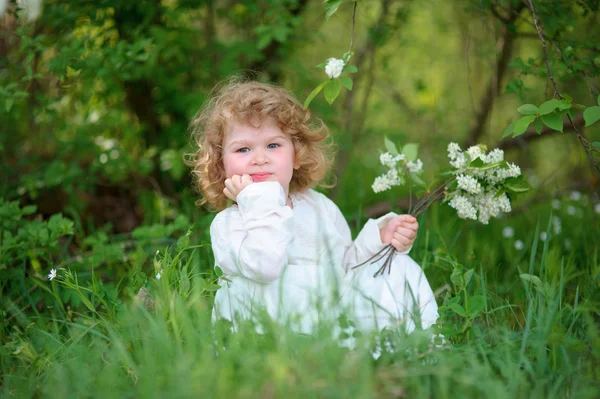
257,199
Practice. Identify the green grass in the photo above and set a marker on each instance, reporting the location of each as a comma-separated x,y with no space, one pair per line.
537,334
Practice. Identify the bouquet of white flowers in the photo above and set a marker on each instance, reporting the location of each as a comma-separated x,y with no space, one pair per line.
478,186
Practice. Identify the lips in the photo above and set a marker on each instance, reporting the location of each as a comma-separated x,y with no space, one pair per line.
261,176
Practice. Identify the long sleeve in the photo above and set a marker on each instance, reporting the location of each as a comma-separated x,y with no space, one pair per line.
367,243
252,240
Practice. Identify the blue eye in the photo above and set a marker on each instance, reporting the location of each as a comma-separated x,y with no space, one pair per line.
244,149
273,146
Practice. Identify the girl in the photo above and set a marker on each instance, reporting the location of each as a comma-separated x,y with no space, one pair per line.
281,245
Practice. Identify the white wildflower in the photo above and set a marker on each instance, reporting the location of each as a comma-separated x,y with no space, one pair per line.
464,207
334,67
571,210
474,152
508,232
52,274
469,184
543,236
159,274
519,245
414,167
460,161
556,204
390,160
496,155
557,228
381,184
453,151
393,178
575,196
103,158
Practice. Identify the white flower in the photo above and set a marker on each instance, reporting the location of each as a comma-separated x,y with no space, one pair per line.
381,184
474,152
556,224
469,184
556,204
52,274
334,67
571,210
508,232
463,207
460,161
597,208
159,274
543,236
518,245
393,178
453,151
575,196
390,160
414,167
103,158
496,155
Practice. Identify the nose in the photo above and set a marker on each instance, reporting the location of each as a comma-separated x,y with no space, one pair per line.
259,158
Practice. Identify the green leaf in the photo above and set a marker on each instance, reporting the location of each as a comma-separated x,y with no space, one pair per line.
479,164
553,121
564,104
591,115
508,130
535,280
476,304
468,276
458,309
411,151
457,278
313,94
332,7
350,69
517,186
528,109
347,55
549,106
538,125
390,146
522,124
598,99
347,82
332,90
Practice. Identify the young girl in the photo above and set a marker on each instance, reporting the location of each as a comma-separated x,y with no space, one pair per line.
281,245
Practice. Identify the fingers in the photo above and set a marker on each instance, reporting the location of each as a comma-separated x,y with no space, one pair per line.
405,232
235,184
403,240
400,247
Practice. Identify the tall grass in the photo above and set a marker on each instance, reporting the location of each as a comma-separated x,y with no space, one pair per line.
537,335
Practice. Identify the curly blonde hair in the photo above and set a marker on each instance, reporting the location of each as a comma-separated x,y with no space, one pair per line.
243,102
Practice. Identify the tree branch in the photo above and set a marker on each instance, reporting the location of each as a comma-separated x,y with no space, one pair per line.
505,45
530,135
587,146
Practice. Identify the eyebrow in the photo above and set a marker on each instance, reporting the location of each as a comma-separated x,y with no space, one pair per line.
243,141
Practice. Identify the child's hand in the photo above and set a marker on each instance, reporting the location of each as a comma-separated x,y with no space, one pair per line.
400,231
235,184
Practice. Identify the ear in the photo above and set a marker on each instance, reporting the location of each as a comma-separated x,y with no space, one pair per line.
296,163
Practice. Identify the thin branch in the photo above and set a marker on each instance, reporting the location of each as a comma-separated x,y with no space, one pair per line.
353,25
584,142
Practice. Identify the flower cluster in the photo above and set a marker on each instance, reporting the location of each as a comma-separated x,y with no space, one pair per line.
398,167
334,67
480,194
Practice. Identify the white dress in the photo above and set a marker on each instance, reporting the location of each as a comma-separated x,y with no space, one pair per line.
297,264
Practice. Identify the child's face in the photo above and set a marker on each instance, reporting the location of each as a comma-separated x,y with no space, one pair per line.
265,153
